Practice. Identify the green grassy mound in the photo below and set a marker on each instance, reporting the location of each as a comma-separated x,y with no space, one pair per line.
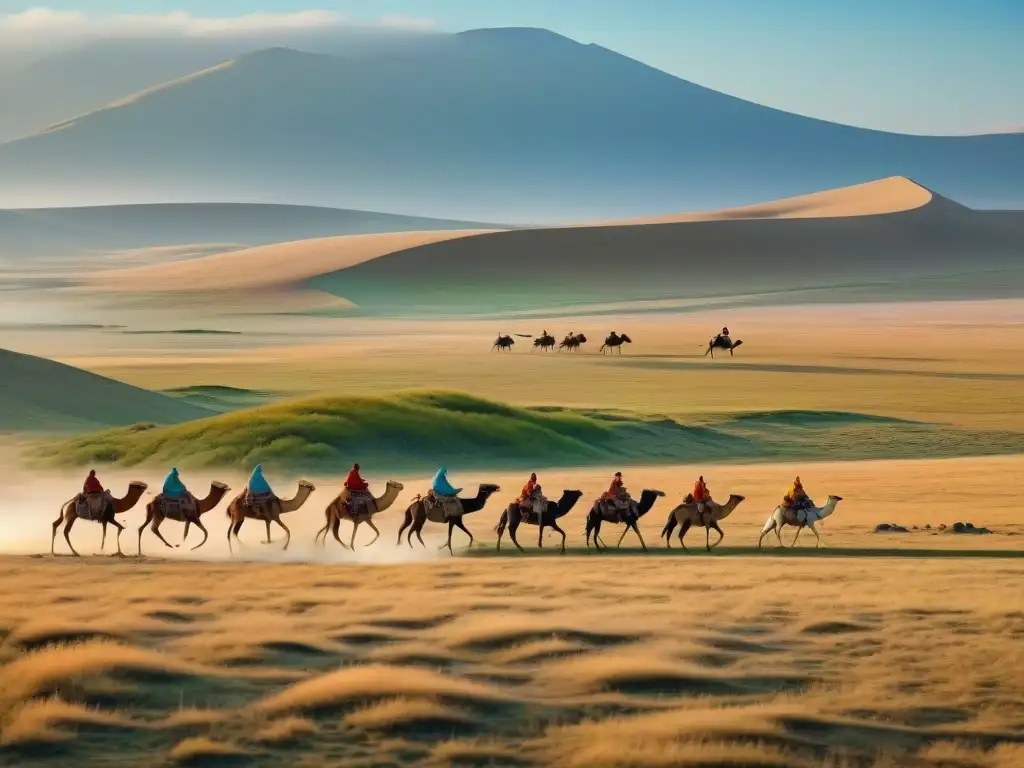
42,395
222,399
423,429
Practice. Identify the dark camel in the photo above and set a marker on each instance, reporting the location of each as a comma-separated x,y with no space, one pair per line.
503,342
686,516
69,513
514,516
602,513
159,510
719,343
615,341
416,516
572,342
269,511
544,342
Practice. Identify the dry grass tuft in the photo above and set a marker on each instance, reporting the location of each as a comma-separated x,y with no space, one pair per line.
286,730
39,721
372,681
202,749
401,712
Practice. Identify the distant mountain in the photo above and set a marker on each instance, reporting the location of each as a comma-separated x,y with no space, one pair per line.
37,93
59,232
493,124
40,394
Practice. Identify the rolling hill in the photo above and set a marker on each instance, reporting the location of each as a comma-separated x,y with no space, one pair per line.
43,395
56,232
505,124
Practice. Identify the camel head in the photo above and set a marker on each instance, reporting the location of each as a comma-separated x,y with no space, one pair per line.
625,339
307,485
223,487
581,338
647,499
395,484
486,489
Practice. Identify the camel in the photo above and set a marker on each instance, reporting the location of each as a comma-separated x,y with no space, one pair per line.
268,512
572,342
515,515
503,342
69,512
544,342
416,516
615,341
158,510
600,513
685,515
722,343
338,510
783,516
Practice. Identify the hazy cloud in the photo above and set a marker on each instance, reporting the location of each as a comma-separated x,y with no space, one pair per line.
47,27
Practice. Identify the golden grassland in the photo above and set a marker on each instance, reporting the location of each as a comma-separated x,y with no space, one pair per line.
573,661
955,363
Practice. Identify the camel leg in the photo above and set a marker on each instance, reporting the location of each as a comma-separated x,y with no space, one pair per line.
103,540
206,535
554,527
323,531
461,526
683,529
768,528
818,542
540,536
796,537
288,534
721,535
636,528
375,532
667,530
233,531
451,527
268,541
597,534
336,530
56,524
405,524
513,526
117,539
67,535
184,536
355,527
156,531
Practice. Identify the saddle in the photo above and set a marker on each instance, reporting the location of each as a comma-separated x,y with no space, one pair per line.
619,503
178,506
450,505
257,500
90,506
361,501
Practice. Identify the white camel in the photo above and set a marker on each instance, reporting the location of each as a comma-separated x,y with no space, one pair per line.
785,516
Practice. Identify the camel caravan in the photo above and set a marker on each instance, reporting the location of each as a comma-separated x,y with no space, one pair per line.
442,504
613,342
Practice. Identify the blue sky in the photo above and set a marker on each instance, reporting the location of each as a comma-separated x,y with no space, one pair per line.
922,66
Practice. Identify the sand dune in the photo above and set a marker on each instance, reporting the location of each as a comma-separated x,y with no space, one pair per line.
872,198
286,265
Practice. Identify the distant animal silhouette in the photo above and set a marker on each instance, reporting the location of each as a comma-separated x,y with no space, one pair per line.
544,342
503,342
572,342
615,341
720,342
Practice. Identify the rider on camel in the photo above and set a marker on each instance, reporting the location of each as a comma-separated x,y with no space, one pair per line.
616,492
440,488
354,481
700,495
173,486
796,498
92,484
723,337
258,485
531,497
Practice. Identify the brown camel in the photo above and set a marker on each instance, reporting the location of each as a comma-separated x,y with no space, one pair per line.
76,508
338,510
686,515
417,515
269,511
161,508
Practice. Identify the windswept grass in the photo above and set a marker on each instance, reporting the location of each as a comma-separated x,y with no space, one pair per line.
416,430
